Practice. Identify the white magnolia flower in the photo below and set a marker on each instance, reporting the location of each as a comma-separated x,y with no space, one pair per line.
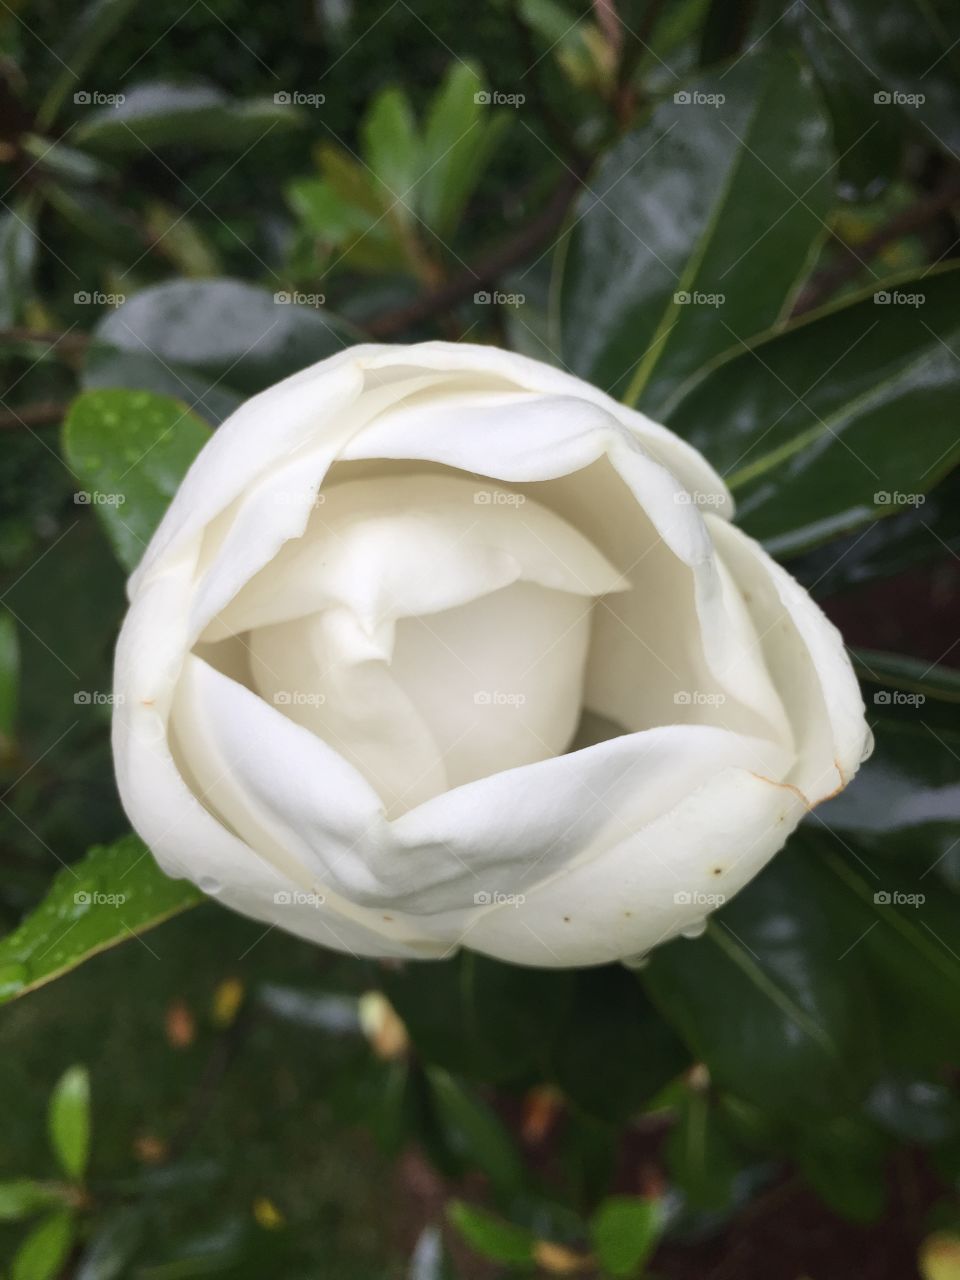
437,645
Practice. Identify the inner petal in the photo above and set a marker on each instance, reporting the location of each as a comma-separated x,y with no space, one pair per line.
433,630
498,681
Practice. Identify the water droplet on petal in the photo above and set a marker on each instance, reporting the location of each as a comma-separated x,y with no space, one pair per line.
696,930
639,960
867,746
210,885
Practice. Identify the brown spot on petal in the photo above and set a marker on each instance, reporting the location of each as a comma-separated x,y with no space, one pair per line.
566,919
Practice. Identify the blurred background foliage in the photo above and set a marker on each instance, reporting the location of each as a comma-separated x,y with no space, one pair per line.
200,198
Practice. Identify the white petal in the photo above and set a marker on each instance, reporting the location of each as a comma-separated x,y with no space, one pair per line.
805,654
399,546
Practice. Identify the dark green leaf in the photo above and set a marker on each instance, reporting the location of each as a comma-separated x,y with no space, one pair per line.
92,29
695,230
116,892
492,1237
702,1158
807,426
915,1111
212,343
480,1018
474,1133
624,1231
757,997
68,1120
868,134
131,449
614,1051
843,1161
910,674
45,1249
905,803
910,47
162,115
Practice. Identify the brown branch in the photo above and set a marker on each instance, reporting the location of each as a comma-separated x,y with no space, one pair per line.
486,272
68,343
914,218
45,413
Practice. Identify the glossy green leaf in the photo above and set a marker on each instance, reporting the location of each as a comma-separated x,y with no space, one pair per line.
162,115
695,229
475,1134
758,999
919,535
624,1231
915,1111
114,893
480,1018
614,1051
905,803
391,148
913,675
68,1120
211,343
702,1158
21,1197
90,31
45,1249
843,1160
492,1237
131,449
911,48
807,426
868,134
460,134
